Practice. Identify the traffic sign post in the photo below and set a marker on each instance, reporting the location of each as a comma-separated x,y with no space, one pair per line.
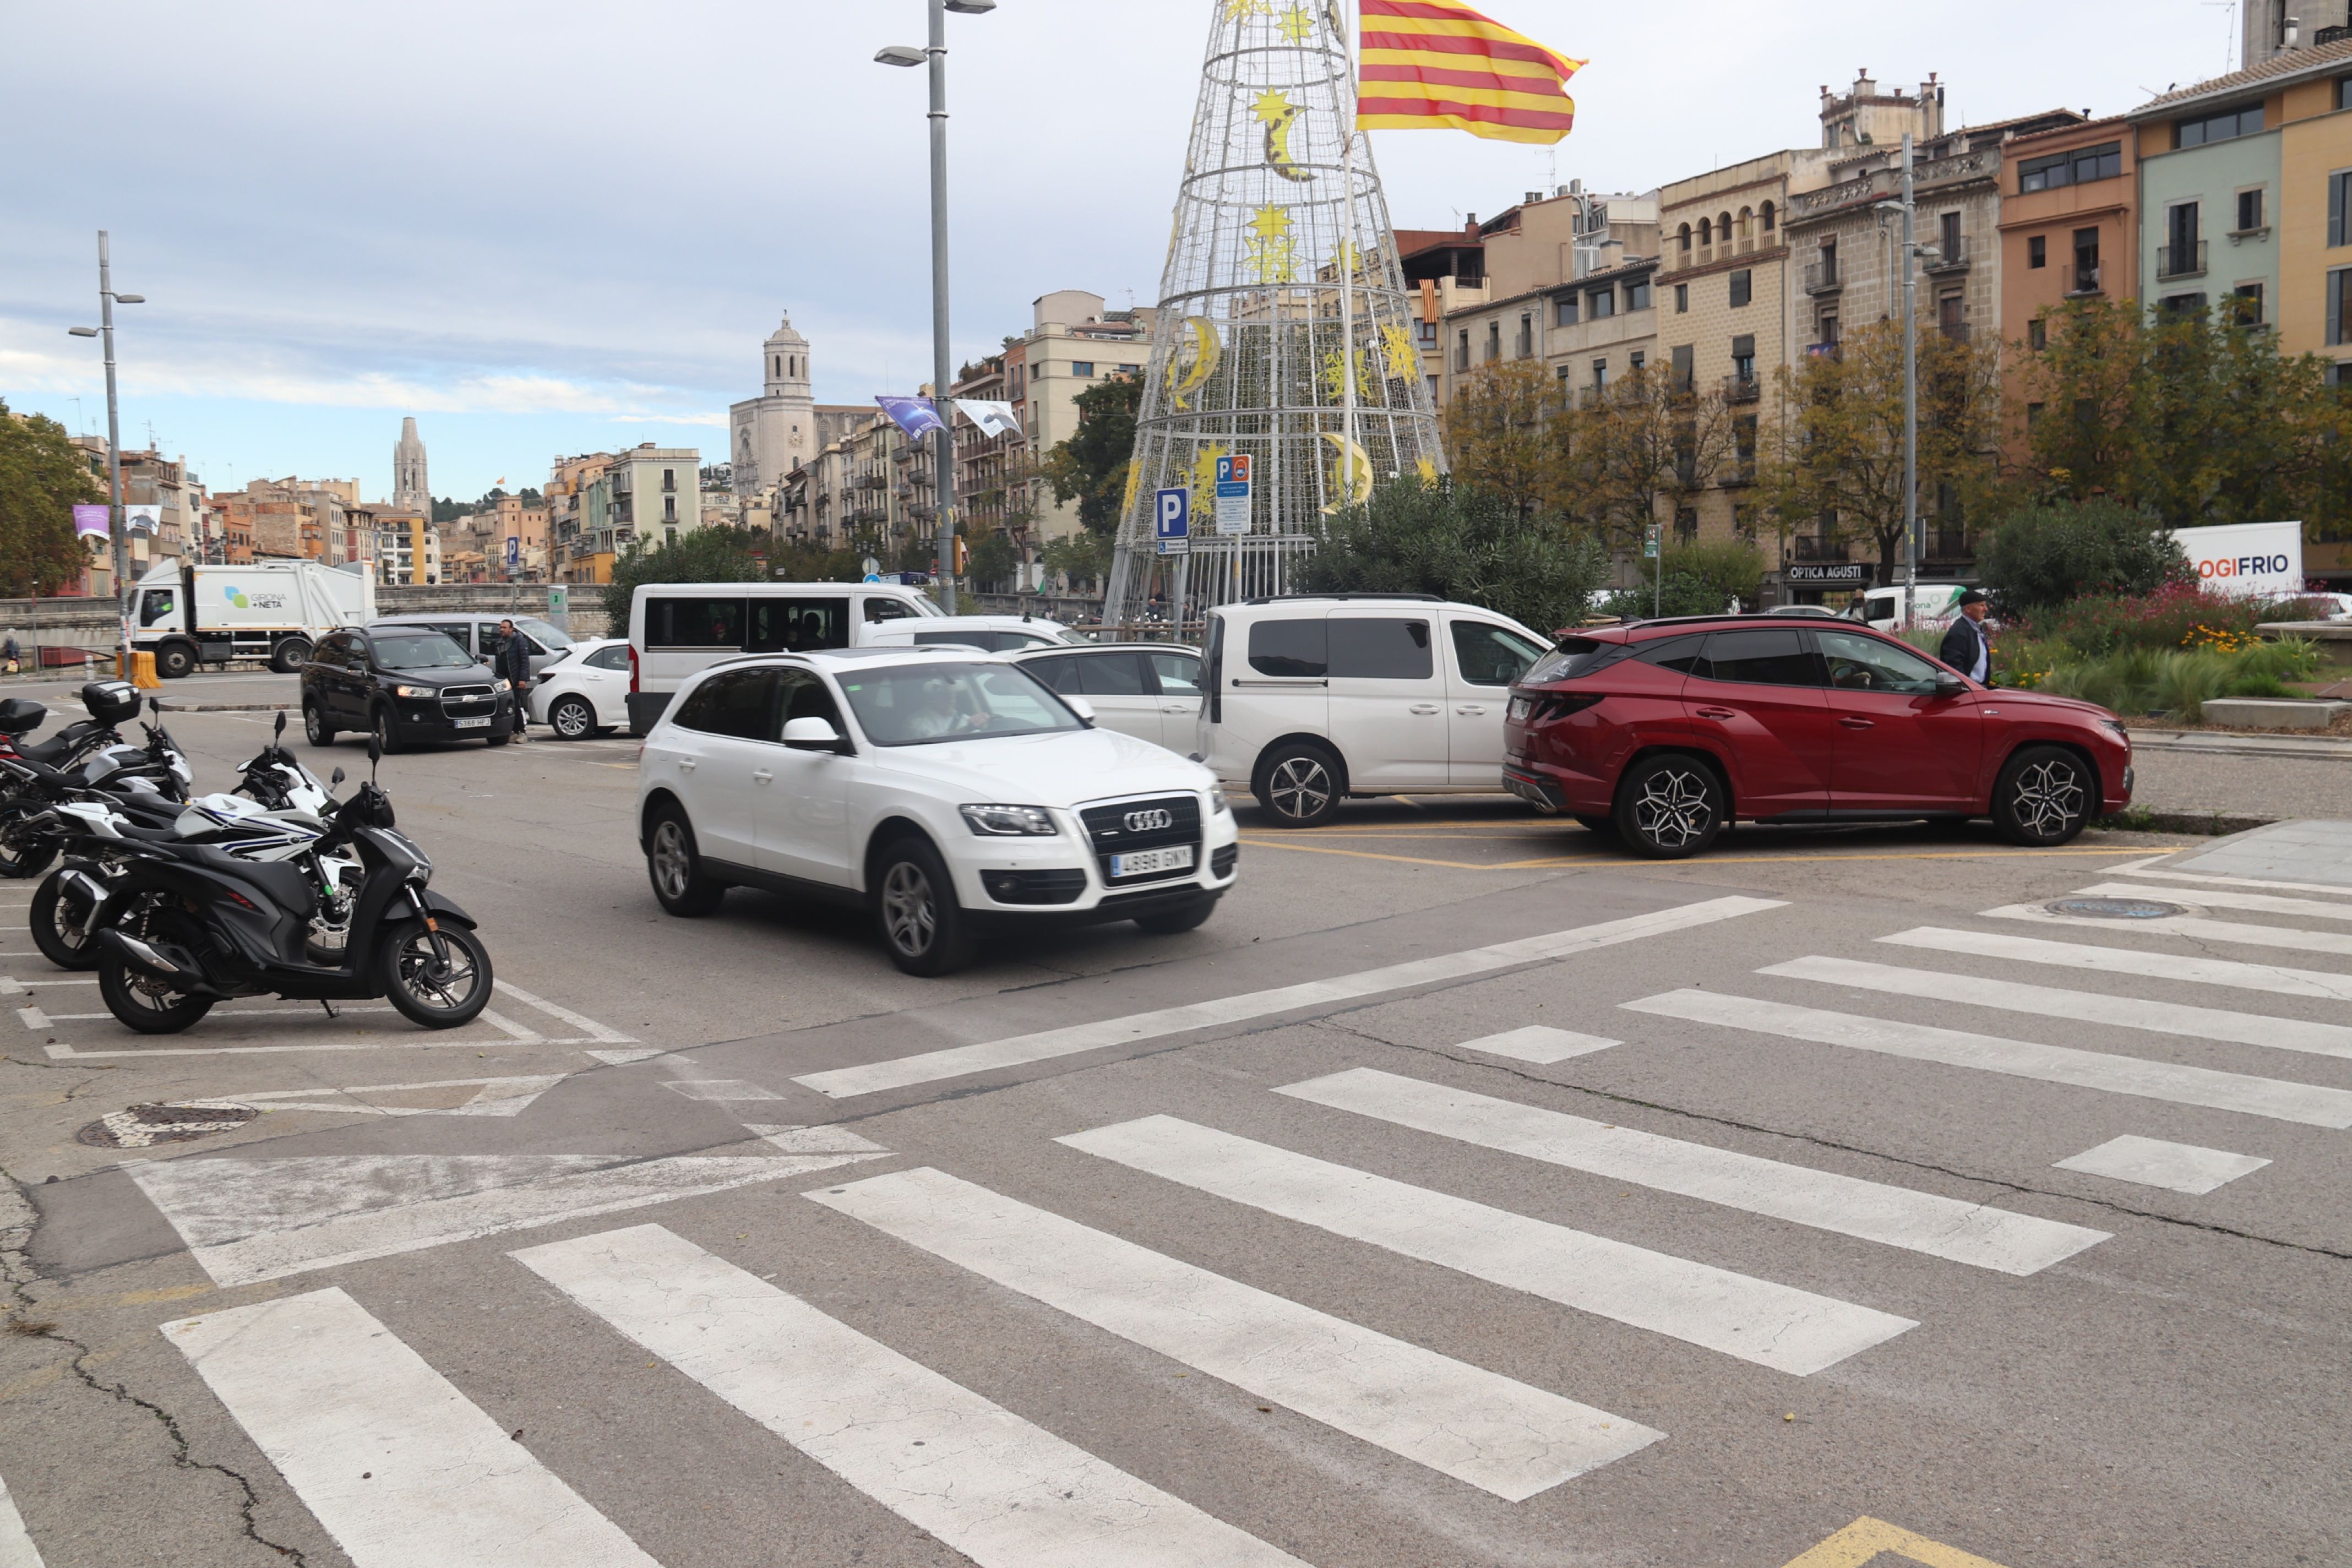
1234,494
1173,522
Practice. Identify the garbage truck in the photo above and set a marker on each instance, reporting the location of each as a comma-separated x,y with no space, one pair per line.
269,611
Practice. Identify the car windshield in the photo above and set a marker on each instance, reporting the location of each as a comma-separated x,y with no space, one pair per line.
420,650
923,704
545,636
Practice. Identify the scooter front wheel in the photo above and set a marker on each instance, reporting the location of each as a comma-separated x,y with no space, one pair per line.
428,992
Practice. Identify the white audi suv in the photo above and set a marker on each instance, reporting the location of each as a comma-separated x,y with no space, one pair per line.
949,793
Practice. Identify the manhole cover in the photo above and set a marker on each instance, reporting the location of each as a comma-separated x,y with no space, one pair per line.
143,1125
2114,909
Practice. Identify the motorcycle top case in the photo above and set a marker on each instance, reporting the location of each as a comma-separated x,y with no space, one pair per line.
112,701
21,716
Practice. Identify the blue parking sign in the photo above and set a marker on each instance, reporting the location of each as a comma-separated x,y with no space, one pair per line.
1172,524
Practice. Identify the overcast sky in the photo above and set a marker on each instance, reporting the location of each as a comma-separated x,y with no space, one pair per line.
547,228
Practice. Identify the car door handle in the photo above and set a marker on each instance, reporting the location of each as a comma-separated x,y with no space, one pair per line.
1857,724
1425,707
1176,707
1717,713
762,776
1471,708
685,765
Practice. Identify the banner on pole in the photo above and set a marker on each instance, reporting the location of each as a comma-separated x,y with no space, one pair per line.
915,415
91,519
142,519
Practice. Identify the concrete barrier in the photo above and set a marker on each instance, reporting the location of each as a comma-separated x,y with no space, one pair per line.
2273,713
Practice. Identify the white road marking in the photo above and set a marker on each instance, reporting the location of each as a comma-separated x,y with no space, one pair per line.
298,1014
623,1058
500,1096
594,1029
1951,1228
32,1017
2273,978
960,1061
402,1469
2153,1163
2186,925
813,1140
1539,1044
1772,1325
2134,870
8,987
2082,1007
2261,903
425,1043
244,1220
508,1026
2278,1098
722,1088
1478,1426
1005,1493
17,1549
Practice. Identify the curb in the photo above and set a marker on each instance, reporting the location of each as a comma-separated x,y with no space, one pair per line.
2201,823
2229,745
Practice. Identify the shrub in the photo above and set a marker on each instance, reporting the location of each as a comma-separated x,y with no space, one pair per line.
2044,556
2178,682
2175,615
1458,544
1701,580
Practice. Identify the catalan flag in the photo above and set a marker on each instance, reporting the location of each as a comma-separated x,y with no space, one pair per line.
1429,64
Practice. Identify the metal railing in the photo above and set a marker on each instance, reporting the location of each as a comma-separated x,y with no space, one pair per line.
1951,259
2083,281
1821,276
1742,388
1809,549
2180,260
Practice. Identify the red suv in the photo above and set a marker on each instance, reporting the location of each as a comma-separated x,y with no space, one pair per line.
1665,732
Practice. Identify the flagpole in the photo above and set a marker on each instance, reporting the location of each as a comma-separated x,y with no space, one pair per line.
1347,277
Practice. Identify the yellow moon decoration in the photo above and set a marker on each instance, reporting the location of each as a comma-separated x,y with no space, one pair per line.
1342,448
1190,368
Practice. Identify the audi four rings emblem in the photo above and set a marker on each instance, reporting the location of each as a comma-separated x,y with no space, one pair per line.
1145,821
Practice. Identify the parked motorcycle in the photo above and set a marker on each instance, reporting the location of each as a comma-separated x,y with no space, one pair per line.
189,924
86,756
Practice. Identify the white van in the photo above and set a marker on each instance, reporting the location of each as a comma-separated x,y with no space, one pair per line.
677,630
1316,698
1933,604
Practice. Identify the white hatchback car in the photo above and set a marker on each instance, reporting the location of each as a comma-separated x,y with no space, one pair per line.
949,793
585,693
990,633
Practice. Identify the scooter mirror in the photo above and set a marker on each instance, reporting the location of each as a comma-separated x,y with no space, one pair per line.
335,779
278,731
375,752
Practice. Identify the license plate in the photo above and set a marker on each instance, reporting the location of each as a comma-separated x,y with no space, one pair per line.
1143,862
481,724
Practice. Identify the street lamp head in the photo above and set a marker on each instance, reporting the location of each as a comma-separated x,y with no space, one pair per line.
972,7
130,299
82,331
899,55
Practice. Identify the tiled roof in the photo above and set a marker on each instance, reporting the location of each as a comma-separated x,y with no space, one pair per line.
2278,68
1411,241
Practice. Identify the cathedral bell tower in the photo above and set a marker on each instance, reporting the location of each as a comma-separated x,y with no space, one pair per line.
775,432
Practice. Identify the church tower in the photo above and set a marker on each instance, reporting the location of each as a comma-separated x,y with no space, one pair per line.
411,490
775,432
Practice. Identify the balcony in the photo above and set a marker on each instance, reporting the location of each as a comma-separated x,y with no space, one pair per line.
1811,549
2180,260
1742,388
1953,259
2082,280
1823,276
1958,331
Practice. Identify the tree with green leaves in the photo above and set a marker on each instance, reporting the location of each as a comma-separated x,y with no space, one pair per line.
720,553
42,475
2041,556
1460,544
1090,466
1500,434
1634,454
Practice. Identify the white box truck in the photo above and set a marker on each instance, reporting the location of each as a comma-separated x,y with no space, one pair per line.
272,611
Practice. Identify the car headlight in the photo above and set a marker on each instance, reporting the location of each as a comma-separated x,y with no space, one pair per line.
501,685
416,691
1218,804
1010,821
2117,726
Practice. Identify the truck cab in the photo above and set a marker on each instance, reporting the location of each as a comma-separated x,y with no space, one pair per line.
271,612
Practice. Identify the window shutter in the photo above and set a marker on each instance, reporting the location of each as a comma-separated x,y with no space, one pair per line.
2335,308
1744,346
2335,183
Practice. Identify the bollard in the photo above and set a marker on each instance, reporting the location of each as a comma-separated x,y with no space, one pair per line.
142,672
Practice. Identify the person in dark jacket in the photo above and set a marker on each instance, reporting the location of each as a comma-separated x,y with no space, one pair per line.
514,664
1966,647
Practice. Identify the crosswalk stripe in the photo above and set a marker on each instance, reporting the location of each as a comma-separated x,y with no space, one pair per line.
16,1548
2188,925
1758,1321
2082,1007
2273,978
960,1061
402,1469
1476,1426
2137,870
1539,1043
2280,1100
1005,1493
1943,1227
2215,898
2153,1163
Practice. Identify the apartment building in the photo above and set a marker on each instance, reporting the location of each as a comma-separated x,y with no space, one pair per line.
1073,343
407,550
988,466
1567,283
1446,270
2069,221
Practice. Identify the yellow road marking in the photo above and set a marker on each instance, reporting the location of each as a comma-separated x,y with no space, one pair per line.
1793,857
1866,1538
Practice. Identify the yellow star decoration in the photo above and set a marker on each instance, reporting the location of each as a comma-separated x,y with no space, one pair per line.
1299,24
1272,251
1243,10
1204,468
1426,469
1270,106
1404,359
1367,374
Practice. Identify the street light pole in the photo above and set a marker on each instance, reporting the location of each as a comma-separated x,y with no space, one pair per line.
1910,399
116,533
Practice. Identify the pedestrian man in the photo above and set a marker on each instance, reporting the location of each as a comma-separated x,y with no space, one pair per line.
9,653
514,663
1966,647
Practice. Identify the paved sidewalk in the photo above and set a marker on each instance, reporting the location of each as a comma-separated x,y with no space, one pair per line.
2308,851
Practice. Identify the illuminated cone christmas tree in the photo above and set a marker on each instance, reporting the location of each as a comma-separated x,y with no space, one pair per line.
1284,333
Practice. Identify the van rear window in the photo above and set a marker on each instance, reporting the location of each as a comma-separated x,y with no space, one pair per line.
1379,649
695,622
1290,649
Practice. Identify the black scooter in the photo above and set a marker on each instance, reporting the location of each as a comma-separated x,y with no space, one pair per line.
188,925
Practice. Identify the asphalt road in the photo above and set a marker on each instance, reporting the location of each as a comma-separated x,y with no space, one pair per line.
1502,1212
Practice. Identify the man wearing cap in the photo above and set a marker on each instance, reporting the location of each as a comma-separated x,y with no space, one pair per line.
1966,647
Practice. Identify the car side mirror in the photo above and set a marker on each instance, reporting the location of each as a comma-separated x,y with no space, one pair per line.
1083,708
812,735
1950,685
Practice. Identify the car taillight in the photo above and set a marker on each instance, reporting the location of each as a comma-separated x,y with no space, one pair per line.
1540,706
633,669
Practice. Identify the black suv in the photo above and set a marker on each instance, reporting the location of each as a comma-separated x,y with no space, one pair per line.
405,683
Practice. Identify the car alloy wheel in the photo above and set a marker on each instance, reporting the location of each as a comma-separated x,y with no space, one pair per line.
314,725
2043,798
673,861
909,910
1673,811
571,721
1300,787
